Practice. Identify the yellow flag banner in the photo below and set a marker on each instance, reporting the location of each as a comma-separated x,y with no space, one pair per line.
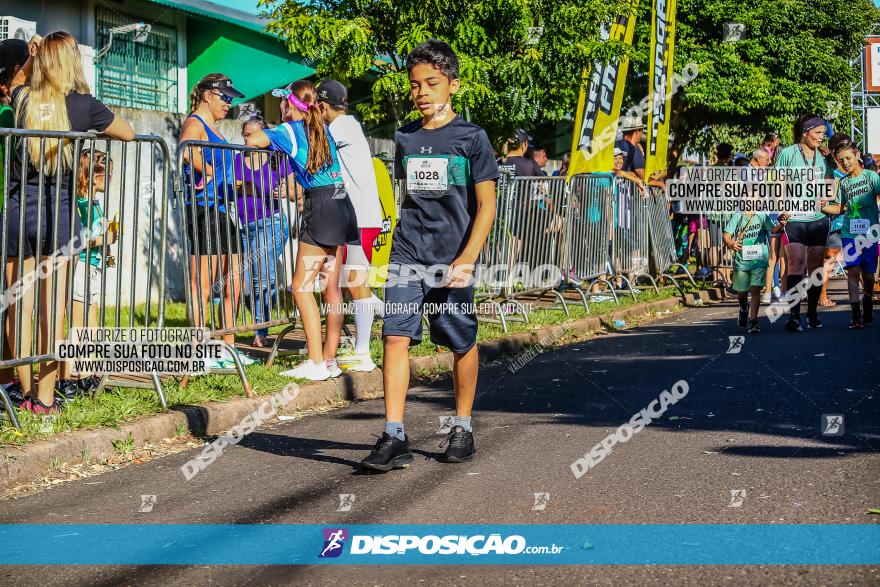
598,111
660,84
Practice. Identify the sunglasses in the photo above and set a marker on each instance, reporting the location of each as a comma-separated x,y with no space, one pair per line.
226,99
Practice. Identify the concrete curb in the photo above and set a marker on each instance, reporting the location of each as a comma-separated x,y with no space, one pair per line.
29,462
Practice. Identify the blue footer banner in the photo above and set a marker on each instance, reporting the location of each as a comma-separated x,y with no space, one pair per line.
600,544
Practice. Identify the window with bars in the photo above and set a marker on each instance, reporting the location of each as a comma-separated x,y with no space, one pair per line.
136,74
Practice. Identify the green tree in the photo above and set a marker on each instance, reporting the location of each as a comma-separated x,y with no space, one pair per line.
795,59
510,77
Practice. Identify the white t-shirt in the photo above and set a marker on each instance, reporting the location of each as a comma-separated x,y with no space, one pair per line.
357,170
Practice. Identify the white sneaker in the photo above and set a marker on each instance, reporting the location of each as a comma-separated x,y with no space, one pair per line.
777,293
765,298
333,367
309,370
357,362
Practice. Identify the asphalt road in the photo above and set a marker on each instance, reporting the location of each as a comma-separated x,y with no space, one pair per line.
750,421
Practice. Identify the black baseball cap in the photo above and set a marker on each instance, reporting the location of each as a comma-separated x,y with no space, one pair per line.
521,136
224,86
333,93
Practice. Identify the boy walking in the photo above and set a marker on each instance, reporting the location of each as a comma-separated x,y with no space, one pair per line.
445,218
748,234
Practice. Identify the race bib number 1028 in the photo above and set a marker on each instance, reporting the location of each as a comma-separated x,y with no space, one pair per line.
427,175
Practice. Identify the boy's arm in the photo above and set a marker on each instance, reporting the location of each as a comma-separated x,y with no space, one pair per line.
463,266
730,243
832,209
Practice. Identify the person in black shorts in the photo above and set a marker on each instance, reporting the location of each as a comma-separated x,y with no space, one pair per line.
49,93
807,232
209,197
445,219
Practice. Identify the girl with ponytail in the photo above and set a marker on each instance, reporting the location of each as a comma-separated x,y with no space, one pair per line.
328,221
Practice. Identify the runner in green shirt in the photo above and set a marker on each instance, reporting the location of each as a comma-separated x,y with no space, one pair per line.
857,202
748,235
807,232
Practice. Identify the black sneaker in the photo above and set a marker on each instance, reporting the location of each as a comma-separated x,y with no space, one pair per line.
753,327
793,325
743,318
66,390
813,322
16,395
461,445
89,385
388,453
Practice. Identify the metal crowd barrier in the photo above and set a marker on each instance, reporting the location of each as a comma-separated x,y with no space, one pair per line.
237,228
594,229
57,275
663,257
711,253
589,221
236,240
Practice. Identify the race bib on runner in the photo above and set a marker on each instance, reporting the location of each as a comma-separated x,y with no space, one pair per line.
858,226
427,175
751,252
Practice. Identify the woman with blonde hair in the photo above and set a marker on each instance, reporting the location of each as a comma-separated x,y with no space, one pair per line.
49,93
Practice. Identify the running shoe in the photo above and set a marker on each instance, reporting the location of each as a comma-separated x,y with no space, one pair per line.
766,298
66,390
753,327
461,445
309,370
35,406
743,318
89,385
813,322
794,325
333,367
357,362
855,324
245,360
388,453
777,293
16,395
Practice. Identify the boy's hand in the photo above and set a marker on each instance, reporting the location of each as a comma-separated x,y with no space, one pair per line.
736,246
461,273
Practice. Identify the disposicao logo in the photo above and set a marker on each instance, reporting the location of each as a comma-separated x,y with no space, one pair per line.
334,541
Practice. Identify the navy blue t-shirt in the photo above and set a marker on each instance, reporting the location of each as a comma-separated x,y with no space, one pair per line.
633,157
441,167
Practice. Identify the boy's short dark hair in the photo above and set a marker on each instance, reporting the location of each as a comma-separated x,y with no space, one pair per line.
845,146
437,53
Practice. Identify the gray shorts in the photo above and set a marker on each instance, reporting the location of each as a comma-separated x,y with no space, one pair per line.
455,327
